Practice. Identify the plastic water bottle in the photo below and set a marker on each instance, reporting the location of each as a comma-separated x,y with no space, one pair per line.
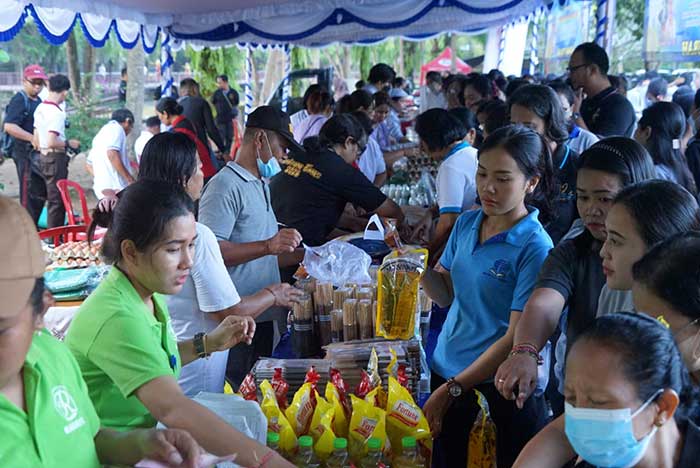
306,458
409,458
339,458
273,441
374,457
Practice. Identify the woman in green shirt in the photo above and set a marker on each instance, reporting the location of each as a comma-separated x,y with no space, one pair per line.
46,416
122,336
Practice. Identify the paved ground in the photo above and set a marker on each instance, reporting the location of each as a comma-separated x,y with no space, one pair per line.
76,172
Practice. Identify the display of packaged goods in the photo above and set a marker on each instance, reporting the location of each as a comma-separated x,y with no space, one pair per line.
303,337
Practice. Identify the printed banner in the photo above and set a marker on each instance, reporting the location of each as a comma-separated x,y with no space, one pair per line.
672,30
567,27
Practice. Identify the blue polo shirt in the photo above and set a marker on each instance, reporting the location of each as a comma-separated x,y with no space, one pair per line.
489,280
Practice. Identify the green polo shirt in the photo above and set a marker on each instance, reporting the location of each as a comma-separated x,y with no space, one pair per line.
59,427
121,345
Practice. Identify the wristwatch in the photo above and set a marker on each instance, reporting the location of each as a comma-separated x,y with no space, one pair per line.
454,388
199,347
576,116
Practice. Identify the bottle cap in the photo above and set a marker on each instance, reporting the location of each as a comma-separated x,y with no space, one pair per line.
306,441
273,438
408,442
374,443
340,443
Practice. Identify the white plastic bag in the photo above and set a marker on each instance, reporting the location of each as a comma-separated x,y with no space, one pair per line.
337,262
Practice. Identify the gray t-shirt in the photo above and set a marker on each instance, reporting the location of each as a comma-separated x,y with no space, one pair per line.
236,206
612,301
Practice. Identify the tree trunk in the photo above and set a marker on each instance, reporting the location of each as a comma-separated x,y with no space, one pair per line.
402,68
73,65
88,84
135,92
347,61
453,46
274,69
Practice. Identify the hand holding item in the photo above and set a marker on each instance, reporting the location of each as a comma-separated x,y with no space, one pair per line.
169,447
285,241
231,331
285,294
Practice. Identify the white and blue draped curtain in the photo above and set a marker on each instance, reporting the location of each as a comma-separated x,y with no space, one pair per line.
300,22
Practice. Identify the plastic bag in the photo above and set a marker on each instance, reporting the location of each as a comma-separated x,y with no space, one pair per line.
300,412
337,262
482,438
405,419
281,388
321,428
276,419
369,379
399,278
248,388
367,421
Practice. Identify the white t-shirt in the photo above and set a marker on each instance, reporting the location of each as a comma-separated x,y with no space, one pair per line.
49,118
140,143
456,180
297,117
208,289
110,137
612,301
372,162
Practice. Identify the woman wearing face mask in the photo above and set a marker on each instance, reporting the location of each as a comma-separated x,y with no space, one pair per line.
572,276
641,216
46,416
208,296
312,191
487,273
170,113
122,336
660,131
667,286
629,399
537,107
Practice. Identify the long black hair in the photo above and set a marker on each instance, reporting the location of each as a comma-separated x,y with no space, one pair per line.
667,123
621,156
660,209
335,131
544,103
671,270
438,129
142,214
531,154
649,356
169,157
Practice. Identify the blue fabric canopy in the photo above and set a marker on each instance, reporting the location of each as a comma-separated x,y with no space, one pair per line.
260,22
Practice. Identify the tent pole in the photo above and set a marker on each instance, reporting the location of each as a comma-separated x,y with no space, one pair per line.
502,46
248,84
287,70
534,59
166,63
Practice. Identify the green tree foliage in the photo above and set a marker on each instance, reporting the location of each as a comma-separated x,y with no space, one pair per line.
208,63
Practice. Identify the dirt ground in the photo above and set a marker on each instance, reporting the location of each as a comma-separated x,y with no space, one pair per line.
76,172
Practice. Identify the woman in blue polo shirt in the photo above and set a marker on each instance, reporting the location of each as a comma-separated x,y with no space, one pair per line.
487,272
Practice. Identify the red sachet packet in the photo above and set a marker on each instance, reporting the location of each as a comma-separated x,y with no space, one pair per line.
281,388
248,388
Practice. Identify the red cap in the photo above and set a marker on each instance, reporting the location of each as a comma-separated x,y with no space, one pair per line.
32,72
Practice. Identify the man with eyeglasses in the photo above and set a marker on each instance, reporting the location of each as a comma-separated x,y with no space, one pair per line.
19,128
604,111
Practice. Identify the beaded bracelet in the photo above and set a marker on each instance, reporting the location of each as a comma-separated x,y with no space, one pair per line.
535,356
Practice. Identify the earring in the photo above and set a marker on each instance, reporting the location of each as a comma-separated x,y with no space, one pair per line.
659,423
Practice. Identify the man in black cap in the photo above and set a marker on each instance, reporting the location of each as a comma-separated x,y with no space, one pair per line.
236,206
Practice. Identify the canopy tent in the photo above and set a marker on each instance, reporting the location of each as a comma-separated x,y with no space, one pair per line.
216,22
443,63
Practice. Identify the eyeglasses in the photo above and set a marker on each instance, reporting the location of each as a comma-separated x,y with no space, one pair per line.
574,68
35,82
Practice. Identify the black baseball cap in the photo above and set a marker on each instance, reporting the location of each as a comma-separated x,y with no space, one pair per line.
269,118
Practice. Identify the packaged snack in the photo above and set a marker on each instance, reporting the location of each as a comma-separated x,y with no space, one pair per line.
482,438
321,428
365,385
367,421
405,419
377,397
340,414
401,376
393,366
281,388
342,389
276,420
248,388
301,411
399,277
370,379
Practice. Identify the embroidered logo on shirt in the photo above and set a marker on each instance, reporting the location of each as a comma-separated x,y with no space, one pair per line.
499,270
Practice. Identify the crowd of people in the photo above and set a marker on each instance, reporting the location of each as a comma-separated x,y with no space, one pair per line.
564,245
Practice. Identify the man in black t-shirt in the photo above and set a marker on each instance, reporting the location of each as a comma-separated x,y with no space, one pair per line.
19,125
226,101
604,111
